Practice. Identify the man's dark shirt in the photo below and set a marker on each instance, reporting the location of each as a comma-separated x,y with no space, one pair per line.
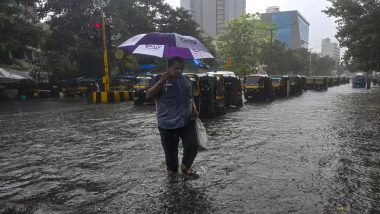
174,102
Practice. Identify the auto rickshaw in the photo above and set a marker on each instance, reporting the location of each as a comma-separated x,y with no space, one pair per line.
303,83
310,83
208,93
335,81
80,87
281,86
232,88
295,85
376,80
347,79
258,87
320,83
330,82
140,88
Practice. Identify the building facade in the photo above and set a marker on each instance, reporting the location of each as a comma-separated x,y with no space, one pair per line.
212,15
330,49
291,28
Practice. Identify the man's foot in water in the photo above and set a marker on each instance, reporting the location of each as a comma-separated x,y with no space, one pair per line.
189,172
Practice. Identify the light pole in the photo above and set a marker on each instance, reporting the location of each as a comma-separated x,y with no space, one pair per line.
271,43
106,80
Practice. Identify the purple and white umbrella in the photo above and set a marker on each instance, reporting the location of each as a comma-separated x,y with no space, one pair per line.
166,45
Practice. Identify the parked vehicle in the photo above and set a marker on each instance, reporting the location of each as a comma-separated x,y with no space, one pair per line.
79,87
376,80
232,88
320,83
303,83
18,81
330,82
123,83
140,88
295,85
258,88
281,86
208,93
335,81
359,80
310,83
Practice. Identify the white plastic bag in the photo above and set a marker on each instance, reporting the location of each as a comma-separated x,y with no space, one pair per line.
201,135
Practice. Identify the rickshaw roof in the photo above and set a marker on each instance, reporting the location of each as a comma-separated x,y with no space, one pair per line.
144,77
257,75
196,74
223,73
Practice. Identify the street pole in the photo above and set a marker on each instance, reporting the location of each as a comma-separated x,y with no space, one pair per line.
271,50
106,80
310,64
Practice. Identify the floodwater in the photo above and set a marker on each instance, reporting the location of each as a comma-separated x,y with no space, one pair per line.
316,153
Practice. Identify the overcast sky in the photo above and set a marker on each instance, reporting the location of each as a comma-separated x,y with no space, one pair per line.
321,26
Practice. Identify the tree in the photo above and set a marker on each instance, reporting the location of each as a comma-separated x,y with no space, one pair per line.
242,41
17,19
358,30
73,34
278,56
322,66
297,61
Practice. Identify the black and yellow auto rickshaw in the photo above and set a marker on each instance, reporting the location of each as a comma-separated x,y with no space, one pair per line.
320,83
280,85
348,79
335,81
330,82
309,83
208,93
296,85
258,88
232,88
80,87
140,88
303,83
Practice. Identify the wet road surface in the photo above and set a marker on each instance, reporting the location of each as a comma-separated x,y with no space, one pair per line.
316,153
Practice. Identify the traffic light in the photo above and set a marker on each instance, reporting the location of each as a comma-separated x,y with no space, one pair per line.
98,25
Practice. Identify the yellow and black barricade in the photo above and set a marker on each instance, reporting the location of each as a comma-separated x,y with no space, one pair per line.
111,97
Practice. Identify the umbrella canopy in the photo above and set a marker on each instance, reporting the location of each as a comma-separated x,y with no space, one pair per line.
166,45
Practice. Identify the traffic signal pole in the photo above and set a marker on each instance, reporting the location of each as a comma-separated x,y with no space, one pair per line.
106,79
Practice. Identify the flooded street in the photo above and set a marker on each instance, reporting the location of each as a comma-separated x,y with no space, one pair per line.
316,153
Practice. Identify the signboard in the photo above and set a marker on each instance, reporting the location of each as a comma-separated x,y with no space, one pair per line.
119,54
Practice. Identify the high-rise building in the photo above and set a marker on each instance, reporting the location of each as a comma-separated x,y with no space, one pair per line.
212,15
292,28
330,49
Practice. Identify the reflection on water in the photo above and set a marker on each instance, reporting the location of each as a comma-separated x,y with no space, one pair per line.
181,196
316,153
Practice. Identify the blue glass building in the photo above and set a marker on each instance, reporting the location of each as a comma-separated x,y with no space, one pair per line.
292,28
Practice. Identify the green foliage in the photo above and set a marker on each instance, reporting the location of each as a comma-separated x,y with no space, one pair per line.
295,61
358,30
73,34
18,26
242,41
322,66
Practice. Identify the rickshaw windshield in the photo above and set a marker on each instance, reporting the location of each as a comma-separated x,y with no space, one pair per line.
143,81
359,78
276,80
253,80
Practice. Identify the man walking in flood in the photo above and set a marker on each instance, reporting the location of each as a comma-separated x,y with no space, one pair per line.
176,114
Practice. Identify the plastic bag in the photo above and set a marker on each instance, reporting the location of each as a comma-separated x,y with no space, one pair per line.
201,135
